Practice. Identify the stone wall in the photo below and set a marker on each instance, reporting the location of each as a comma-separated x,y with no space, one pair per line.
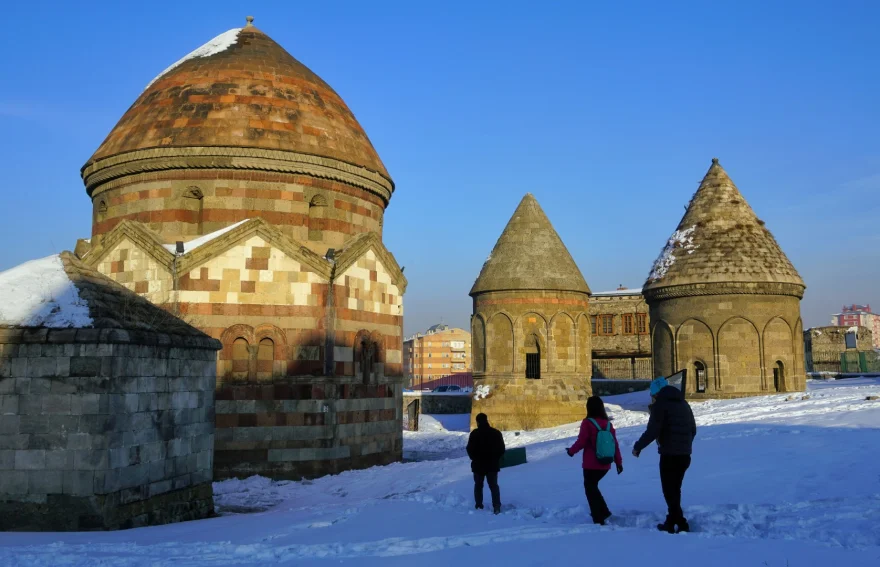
439,403
310,373
552,324
625,351
737,341
617,387
824,345
296,429
184,205
104,429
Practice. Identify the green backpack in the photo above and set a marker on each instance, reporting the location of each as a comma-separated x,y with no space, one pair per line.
606,448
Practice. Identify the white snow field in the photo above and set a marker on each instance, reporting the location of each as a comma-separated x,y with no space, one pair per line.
775,481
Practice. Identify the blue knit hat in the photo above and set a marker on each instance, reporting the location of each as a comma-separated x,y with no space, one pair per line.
658,384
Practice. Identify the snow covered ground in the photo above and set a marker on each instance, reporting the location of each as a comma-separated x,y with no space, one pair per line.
776,481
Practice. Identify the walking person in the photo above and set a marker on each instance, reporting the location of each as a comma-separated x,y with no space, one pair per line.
485,448
673,427
599,442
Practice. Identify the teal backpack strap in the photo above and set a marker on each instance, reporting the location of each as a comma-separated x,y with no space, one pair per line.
607,427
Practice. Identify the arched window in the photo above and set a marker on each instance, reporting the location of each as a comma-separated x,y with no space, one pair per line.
700,376
241,356
367,353
317,214
193,200
266,359
779,376
533,357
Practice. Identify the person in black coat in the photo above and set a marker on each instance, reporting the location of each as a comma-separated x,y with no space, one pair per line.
485,448
673,427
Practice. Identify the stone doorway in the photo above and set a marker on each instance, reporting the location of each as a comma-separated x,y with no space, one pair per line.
779,376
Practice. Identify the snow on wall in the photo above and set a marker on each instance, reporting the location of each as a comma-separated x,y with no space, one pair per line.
680,240
220,43
202,240
39,294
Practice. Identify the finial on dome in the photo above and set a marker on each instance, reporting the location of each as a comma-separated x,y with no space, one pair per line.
714,161
250,21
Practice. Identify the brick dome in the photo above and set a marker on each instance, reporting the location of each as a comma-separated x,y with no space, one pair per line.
241,90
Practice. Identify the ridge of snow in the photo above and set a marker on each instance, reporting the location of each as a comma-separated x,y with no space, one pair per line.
853,329
682,239
202,240
39,294
220,43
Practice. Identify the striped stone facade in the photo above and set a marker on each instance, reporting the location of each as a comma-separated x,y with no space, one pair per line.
251,203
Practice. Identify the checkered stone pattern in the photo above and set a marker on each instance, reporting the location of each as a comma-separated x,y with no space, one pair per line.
252,272
104,435
129,265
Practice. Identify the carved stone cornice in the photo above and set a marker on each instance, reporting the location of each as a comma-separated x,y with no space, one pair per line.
358,246
140,235
97,173
724,288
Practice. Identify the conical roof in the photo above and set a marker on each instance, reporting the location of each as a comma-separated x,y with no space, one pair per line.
241,89
529,255
60,291
720,240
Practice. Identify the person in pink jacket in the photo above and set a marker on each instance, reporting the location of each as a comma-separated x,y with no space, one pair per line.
594,470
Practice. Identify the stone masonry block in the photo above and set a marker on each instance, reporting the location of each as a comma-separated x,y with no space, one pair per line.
40,385
45,482
78,483
30,404
8,404
90,459
41,367
30,459
7,460
60,460
14,482
63,386
85,366
56,403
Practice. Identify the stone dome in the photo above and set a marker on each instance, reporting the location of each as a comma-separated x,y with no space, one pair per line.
721,242
242,90
529,255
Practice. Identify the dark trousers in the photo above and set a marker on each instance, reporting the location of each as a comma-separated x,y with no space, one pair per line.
492,477
672,469
598,508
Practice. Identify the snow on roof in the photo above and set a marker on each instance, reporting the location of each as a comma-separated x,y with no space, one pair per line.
196,242
853,329
633,291
682,239
40,294
220,43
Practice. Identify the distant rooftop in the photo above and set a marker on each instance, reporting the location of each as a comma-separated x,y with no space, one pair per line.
619,291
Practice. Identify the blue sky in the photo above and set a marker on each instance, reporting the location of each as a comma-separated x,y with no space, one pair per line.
609,113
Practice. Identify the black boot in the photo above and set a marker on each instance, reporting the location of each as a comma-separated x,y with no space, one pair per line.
478,506
496,510
667,526
683,526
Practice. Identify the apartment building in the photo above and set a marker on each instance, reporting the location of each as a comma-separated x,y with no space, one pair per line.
440,351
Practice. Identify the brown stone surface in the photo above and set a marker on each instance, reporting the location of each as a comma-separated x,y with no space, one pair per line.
725,242
529,255
253,94
624,351
725,301
531,303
